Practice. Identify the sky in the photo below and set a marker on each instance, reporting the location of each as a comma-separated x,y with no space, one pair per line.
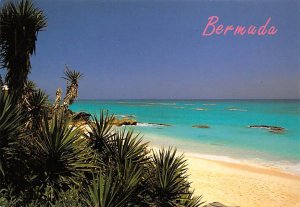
155,49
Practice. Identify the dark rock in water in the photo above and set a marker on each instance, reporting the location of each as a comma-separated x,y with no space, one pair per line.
81,116
216,204
274,129
158,124
201,126
130,116
125,121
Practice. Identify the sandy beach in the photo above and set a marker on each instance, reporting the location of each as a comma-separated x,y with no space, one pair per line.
242,185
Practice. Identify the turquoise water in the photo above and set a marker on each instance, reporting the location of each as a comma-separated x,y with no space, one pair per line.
228,136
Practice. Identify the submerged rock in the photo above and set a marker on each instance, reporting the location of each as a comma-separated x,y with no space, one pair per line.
158,124
201,126
274,129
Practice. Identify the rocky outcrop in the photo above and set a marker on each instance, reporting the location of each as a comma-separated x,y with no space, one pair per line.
124,122
274,129
201,126
216,204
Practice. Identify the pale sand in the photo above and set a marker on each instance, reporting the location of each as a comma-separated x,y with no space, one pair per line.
242,185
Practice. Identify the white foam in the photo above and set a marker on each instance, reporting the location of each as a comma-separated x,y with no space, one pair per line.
150,125
125,115
147,125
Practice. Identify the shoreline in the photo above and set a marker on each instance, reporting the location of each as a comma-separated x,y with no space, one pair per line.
244,185
228,155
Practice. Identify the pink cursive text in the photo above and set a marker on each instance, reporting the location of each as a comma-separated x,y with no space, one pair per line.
212,28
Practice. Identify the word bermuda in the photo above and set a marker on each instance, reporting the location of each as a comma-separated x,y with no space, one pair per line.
212,28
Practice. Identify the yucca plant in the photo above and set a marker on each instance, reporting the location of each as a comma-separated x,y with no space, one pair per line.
62,153
105,191
1,82
11,128
167,181
36,106
29,87
190,201
109,189
125,145
72,78
20,24
101,132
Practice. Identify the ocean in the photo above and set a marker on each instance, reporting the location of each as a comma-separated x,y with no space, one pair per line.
228,136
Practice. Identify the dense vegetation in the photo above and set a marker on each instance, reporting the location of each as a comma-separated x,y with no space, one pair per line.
47,158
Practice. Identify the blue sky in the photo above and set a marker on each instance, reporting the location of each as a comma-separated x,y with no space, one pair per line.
154,49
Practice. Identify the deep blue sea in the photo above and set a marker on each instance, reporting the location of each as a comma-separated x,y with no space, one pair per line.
229,138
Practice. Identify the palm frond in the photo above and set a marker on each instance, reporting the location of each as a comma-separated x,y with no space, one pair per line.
63,153
125,145
168,183
11,124
114,190
30,86
101,131
72,76
189,200
38,100
11,118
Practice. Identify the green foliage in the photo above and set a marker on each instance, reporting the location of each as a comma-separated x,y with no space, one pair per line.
110,190
20,23
168,183
7,197
36,106
1,81
11,123
37,102
63,155
30,86
190,201
124,145
101,132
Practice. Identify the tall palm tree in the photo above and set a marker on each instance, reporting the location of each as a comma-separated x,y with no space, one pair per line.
20,24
